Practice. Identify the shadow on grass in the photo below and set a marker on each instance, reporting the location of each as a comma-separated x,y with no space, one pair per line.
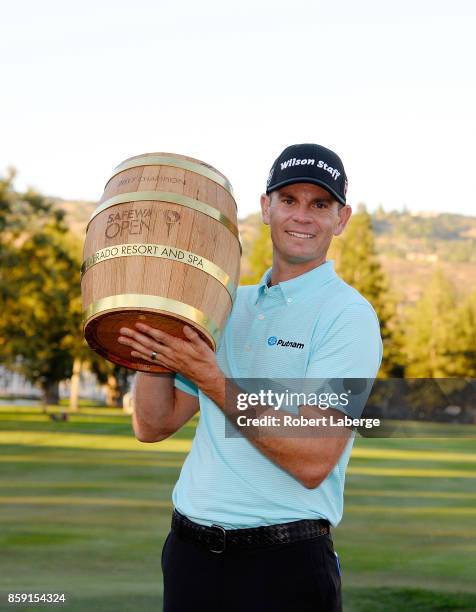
410,600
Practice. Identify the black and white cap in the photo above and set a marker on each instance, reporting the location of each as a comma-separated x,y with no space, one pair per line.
309,163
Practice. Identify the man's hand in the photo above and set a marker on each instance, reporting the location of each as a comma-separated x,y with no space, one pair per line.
192,358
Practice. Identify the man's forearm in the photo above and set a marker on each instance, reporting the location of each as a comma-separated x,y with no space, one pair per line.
308,458
153,405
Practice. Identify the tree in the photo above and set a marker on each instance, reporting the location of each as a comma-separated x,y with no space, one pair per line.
358,264
38,322
40,299
39,280
463,353
440,336
261,256
115,378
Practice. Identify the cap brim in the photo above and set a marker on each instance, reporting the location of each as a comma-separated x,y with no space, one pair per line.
306,179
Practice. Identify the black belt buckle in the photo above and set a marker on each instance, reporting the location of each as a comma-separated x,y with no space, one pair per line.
222,532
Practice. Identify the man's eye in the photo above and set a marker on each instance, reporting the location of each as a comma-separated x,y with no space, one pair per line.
288,201
320,204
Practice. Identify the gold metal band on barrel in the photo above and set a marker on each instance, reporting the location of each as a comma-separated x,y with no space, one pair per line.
162,251
138,301
175,162
172,198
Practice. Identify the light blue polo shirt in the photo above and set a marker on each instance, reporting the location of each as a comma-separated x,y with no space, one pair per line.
226,480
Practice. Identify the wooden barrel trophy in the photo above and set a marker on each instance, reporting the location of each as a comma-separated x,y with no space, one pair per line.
162,247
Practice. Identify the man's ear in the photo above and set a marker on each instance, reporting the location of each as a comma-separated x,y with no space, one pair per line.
344,213
265,202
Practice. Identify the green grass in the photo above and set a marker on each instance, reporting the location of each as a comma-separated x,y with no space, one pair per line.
84,509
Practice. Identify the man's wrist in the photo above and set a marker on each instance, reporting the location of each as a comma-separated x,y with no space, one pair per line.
213,384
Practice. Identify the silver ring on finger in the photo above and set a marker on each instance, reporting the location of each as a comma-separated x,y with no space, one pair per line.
153,355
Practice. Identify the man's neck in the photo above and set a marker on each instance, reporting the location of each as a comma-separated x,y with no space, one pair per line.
282,272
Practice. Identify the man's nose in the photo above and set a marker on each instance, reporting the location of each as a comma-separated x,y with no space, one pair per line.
301,215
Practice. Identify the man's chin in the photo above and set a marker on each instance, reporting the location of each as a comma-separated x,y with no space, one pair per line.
303,260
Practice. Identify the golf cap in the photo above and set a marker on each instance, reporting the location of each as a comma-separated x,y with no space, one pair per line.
309,163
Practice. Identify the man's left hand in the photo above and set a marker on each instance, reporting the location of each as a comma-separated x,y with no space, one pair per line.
192,358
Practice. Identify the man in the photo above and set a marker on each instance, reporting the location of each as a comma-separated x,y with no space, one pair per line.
251,529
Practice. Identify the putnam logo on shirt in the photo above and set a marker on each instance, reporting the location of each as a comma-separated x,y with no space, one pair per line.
274,341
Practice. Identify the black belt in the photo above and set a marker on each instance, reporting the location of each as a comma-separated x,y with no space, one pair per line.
216,538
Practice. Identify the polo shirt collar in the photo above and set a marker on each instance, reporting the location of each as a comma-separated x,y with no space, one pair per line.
301,285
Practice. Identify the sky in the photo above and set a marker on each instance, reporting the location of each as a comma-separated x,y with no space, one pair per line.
390,87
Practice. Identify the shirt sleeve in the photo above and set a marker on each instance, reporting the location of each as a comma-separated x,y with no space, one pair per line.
350,347
185,385
346,356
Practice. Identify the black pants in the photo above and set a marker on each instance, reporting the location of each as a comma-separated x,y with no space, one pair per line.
297,577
